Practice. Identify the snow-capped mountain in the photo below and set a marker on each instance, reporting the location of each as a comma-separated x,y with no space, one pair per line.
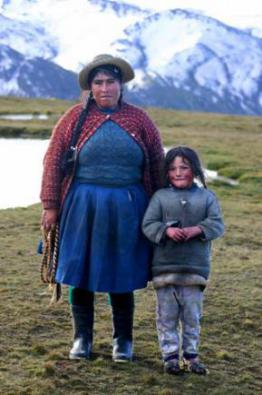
34,77
183,59
78,29
28,38
204,63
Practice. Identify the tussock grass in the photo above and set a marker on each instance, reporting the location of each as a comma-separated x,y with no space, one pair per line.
35,338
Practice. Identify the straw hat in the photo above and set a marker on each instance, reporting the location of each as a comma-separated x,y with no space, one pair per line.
101,60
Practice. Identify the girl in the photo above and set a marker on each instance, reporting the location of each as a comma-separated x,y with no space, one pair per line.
181,220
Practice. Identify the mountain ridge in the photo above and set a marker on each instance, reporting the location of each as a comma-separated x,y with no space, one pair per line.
182,59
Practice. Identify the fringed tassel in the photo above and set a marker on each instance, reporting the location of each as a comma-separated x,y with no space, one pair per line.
56,293
50,261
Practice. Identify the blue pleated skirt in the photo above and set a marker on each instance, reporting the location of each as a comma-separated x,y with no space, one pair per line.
102,248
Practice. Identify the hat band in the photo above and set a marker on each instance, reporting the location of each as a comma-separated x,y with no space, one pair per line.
109,68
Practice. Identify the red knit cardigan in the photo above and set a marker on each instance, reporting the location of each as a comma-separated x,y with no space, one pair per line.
132,119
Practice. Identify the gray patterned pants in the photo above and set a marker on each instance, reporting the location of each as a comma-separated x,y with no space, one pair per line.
179,306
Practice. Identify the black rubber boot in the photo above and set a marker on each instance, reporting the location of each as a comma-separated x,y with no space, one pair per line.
123,313
83,320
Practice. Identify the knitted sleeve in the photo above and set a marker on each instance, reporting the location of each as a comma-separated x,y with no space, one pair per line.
52,175
155,151
153,225
213,224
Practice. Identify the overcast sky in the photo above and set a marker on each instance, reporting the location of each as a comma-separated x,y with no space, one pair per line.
230,11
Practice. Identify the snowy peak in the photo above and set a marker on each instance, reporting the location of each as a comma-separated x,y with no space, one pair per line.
30,39
182,58
76,27
34,77
195,52
120,9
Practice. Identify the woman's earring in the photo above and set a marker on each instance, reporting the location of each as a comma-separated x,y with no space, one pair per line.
91,96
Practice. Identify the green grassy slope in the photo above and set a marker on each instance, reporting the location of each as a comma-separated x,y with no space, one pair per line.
35,338
53,108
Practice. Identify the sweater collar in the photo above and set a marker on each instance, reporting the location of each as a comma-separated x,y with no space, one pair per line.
193,188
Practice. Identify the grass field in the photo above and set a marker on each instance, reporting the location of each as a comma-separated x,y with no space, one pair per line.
35,338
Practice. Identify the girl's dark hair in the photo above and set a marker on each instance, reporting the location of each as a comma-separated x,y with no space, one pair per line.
191,156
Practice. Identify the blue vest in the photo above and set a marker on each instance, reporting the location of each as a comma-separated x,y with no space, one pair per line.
110,157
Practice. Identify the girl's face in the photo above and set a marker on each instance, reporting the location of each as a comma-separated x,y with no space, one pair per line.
106,90
180,174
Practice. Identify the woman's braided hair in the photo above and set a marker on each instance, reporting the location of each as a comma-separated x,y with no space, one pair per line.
69,157
191,156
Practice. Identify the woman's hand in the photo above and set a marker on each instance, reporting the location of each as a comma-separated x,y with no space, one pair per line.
49,218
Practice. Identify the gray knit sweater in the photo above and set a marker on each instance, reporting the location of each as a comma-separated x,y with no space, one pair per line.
183,207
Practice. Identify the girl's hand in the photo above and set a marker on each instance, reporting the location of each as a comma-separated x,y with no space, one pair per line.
176,234
49,218
192,231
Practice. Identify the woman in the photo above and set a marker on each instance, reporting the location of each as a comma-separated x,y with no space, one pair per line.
117,157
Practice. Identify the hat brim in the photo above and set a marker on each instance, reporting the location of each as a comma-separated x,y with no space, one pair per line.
126,70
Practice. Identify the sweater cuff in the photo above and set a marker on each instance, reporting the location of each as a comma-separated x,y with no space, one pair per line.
160,236
50,204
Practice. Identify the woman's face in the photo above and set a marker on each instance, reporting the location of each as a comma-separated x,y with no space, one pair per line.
180,174
106,90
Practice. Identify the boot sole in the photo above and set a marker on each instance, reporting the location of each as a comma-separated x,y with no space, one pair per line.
78,357
122,360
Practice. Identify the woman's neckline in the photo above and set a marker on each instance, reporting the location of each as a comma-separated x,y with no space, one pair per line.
107,110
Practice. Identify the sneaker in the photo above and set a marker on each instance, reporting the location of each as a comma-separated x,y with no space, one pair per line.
195,366
172,367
